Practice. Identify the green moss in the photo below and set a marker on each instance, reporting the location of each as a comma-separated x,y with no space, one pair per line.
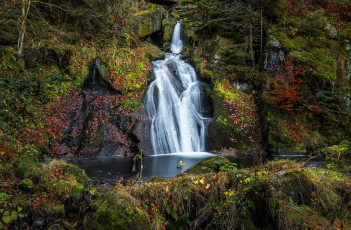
212,165
322,61
26,185
312,52
168,26
148,21
77,173
64,180
59,211
114,210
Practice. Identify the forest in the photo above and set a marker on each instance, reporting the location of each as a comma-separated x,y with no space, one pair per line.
264,87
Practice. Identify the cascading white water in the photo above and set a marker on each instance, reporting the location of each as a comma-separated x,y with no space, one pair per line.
177,43
174,105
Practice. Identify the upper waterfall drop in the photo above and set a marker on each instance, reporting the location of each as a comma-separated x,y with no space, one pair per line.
177,43
173,104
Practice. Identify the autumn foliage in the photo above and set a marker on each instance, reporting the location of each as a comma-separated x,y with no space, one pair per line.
288,93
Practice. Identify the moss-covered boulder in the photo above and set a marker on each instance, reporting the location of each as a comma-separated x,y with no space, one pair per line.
26,185
77,173
297,186
212,165
115,210
64,180
149,21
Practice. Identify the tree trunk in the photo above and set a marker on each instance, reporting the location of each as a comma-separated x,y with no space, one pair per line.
23,18
252,52
261,38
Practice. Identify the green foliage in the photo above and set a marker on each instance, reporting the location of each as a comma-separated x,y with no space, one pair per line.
25,97
8,217
10,12
28,166
11,64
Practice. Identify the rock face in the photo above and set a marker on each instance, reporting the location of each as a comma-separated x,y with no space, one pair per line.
220,130
93,123
46,56
113,210
149,21
348,48
274,56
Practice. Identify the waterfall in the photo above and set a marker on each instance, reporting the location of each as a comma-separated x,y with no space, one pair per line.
173,104
177,44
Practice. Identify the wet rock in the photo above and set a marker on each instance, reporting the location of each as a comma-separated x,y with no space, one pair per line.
274,56
38,223
348,48
142,132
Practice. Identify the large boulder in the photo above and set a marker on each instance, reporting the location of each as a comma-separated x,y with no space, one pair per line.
149,21
114,210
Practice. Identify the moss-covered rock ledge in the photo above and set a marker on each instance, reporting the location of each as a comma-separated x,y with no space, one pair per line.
214,194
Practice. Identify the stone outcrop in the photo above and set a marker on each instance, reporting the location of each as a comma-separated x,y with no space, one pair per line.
149,21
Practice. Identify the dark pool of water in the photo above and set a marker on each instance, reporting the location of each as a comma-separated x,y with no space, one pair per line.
111,169
107,170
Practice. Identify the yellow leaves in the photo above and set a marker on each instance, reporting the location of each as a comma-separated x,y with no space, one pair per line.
202,181
229,193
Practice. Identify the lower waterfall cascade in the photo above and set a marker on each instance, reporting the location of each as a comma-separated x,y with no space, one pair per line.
173,104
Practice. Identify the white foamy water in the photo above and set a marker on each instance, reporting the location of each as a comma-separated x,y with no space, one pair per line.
174,104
